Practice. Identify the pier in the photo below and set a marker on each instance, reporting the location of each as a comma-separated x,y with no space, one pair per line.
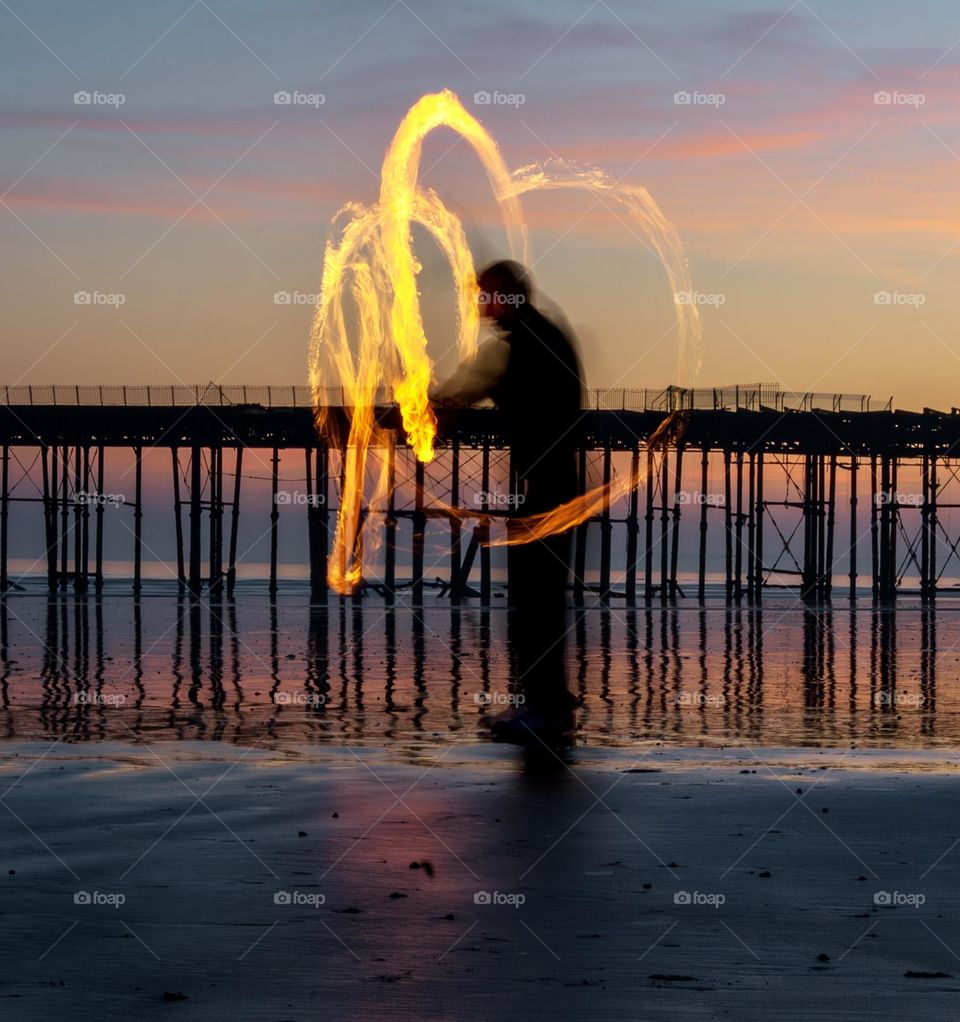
786,484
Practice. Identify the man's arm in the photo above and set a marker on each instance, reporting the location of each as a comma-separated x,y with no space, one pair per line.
475,381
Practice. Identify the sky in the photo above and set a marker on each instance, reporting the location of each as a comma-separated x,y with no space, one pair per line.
813,178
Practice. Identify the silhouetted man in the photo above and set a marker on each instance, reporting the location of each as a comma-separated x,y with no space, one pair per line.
539,391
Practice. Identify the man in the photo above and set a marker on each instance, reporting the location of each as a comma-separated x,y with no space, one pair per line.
539,391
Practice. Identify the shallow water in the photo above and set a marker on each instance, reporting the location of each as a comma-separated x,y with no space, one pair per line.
247,670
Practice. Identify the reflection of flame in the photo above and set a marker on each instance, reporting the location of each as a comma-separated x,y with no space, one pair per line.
385,343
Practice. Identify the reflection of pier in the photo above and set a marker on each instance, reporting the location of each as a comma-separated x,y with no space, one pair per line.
790,467
255,670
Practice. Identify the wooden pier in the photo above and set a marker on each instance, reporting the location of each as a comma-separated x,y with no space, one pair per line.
762,475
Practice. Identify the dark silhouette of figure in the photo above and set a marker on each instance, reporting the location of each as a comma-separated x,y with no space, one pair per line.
538,388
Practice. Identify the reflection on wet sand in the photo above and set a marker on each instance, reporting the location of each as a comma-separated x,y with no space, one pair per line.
252,670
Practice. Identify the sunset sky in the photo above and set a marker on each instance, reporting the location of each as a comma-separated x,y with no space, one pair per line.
798,196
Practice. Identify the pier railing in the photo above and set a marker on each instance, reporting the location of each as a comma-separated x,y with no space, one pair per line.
748,397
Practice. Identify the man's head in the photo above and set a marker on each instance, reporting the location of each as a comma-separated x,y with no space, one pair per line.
505,289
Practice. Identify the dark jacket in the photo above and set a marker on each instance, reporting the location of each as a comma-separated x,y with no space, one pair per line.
540,395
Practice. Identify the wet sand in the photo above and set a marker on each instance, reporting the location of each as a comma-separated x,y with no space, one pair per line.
655,883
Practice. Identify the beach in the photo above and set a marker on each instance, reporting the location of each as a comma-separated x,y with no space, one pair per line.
459,879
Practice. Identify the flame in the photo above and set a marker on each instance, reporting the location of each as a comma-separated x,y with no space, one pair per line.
384,344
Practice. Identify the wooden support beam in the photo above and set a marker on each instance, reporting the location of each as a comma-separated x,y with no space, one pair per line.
854,531
419,534
633,527
874,531
79,502
235,518
758,540
738,532
648,533
49,466
664,523
275,517
606,527
390,553
98,536
484,527
177,517
727,526
456,529
4,519
580,536
85,542
751,525
64,516
831,523
675,528
195,520
702,550
137,519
